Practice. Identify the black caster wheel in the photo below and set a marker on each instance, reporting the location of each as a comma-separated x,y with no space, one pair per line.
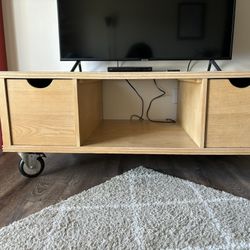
33,170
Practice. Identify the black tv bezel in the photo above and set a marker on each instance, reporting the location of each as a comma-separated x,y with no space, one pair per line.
151,59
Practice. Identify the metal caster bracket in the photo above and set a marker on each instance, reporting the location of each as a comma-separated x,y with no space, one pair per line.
31,164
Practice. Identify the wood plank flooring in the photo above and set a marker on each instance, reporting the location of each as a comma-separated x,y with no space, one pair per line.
68,174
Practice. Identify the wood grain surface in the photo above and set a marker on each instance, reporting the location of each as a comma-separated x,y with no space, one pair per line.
42,116
127,75
228,123
192,109
90,107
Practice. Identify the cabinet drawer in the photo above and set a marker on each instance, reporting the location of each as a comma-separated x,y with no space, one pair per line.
41,112
228,121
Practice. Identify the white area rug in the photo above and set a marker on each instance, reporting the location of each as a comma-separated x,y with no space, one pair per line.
141,209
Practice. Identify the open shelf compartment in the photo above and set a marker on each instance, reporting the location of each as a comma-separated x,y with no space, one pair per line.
119,135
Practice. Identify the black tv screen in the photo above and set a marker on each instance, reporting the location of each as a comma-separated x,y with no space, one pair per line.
146,29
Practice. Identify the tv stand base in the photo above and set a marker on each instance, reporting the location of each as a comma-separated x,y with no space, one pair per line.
213,63
77,64
66,116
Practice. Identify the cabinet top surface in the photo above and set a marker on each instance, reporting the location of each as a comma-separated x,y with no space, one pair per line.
122,75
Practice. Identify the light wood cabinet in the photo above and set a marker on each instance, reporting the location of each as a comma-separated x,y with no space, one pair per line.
65,116
228,117
41,116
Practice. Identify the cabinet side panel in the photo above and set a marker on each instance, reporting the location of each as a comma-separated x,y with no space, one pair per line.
4,114
228,121
90,107
192,109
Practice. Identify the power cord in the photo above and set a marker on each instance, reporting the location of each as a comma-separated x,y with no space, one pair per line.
142,102
188,67
163,93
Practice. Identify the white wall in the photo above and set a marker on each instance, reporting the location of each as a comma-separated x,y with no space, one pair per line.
32,42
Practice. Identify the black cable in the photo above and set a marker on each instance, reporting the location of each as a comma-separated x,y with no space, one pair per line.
150,104
142,101
188,67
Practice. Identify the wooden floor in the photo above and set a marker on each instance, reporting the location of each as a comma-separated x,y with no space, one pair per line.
66,175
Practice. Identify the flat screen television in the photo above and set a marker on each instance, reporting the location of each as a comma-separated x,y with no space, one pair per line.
104,30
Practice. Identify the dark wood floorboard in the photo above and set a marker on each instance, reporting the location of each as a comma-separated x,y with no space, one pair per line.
68,174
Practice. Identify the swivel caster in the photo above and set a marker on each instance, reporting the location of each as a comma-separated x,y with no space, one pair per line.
31,165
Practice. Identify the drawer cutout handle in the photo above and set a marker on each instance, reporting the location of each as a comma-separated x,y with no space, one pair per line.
240,82
39,83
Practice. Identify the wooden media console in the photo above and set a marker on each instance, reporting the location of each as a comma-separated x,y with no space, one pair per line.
63,113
